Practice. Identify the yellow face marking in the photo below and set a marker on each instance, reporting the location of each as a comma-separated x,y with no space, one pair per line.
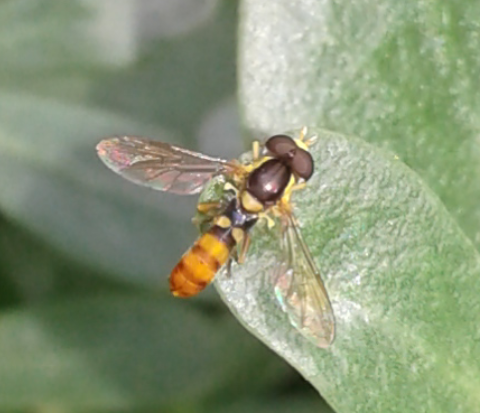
250,203
238,234
223,221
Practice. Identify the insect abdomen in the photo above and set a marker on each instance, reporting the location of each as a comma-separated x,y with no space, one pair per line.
201,262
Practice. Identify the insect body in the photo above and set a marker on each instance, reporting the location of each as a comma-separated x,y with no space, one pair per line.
284,164
211,251
255,190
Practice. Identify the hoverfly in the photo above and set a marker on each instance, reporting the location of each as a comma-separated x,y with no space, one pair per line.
254,190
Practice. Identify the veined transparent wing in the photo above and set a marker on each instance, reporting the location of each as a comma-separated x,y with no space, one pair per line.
160,165
300,290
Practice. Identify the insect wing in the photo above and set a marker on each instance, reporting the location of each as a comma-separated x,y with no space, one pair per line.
160,165
300,290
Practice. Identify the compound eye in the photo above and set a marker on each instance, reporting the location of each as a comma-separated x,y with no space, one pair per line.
302,164
282,146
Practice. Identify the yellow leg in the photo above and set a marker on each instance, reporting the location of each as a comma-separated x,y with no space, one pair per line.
299,186
244,249
303,133
206,207
207,211
268,218
229,268
229,187
255,150
311,141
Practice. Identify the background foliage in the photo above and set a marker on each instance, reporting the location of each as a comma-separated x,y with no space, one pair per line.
86,319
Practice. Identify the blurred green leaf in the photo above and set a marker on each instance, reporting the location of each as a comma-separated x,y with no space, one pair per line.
118,351
250,368
26,267
31,271
402,277
177,81
58,182
52,182
58,98
45,35
401,75
274,405
48,48
105,351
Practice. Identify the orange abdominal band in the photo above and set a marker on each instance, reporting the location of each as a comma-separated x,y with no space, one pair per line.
198,266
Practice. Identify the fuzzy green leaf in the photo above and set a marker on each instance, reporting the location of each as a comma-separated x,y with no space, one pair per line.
400,75
402,277
52,181
108,351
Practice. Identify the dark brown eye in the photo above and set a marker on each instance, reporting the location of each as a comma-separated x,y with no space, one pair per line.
302,164
269,180
282,146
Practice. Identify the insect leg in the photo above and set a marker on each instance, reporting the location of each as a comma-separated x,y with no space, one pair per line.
262,216
229,268
311,141
303,133
214,208
229,188
244,248
296,187
255,150
209,208
207,212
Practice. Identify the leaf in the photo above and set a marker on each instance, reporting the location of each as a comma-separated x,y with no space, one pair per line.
177,82
27,267
402,277
112,351
284,404
46,47
52,182
401,75
42,36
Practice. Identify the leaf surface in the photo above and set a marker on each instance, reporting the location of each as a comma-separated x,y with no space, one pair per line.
402,277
